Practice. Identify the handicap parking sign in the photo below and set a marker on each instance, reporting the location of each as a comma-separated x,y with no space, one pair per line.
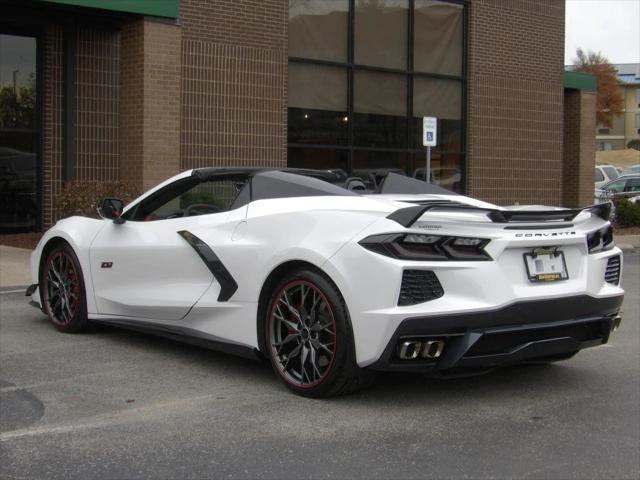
429,129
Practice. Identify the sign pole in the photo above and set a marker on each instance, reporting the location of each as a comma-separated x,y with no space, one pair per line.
429,139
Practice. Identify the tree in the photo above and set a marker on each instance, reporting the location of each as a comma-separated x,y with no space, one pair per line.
610,102
17,108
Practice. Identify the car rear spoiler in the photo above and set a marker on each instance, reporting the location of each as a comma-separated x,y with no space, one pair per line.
409,215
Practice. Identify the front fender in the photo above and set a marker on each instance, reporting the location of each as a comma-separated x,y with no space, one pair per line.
79,233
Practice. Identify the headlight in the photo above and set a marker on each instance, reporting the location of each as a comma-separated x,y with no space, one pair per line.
416,246
600,240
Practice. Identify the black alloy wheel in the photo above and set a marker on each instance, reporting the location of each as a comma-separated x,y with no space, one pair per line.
62,290
309,337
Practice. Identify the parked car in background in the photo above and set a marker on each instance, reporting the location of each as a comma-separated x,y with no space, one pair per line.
605,173
633,169
627,186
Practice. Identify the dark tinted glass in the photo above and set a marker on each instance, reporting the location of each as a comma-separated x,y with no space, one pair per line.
441,99
380,36
317,104
320,158
438,37
449,135
446,169
18,134
318,29
380,105
376,115
374,165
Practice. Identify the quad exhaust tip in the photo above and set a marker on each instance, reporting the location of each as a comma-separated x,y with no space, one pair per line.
412,349
615,324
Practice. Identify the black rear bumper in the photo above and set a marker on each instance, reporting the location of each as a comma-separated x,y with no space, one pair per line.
523,331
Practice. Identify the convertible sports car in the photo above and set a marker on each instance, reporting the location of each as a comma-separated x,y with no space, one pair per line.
332,282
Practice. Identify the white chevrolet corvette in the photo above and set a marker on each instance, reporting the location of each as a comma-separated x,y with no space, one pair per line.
330,282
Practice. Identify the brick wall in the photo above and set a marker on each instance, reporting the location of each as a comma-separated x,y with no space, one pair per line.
234,72
97,87
131,103
52,111
161,102
150,102
515,100
579,150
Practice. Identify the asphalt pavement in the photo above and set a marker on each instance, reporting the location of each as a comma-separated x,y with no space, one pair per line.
115,404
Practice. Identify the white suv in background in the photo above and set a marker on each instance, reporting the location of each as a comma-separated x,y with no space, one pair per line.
605,173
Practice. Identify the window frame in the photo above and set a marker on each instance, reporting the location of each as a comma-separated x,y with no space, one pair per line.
138,212
410,151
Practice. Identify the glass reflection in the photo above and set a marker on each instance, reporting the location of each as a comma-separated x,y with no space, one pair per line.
18,134
380,106
318,29
317,104
380,37
438,37
445,169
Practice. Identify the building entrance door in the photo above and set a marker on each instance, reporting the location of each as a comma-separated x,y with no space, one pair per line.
19,134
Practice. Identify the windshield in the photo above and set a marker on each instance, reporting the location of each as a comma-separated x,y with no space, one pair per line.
611,172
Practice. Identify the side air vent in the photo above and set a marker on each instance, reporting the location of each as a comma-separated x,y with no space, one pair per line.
419,286
612,273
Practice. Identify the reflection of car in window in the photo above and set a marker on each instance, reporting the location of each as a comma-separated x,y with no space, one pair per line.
17,186
448,178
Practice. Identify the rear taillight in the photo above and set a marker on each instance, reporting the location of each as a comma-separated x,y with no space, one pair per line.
417,246
600,240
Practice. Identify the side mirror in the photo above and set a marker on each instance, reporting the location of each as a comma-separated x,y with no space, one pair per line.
111,209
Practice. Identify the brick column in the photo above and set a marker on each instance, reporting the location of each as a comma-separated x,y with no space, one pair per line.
515,93
149,102
579,156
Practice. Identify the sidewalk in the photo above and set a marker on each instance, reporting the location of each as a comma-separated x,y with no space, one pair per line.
14,267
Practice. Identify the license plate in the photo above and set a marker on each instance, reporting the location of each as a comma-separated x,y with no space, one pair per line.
545,265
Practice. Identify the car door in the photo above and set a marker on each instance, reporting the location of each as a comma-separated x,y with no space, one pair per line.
143,268
632,187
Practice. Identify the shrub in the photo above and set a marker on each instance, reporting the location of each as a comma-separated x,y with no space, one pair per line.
83,198
627,213
635,144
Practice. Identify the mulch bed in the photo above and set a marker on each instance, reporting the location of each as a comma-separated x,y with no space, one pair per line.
627,230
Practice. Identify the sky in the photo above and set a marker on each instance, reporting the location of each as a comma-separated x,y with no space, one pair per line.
611,27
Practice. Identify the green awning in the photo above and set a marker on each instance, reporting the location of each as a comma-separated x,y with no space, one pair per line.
158,8
580,81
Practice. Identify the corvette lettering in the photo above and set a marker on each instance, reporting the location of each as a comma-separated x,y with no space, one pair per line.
545,234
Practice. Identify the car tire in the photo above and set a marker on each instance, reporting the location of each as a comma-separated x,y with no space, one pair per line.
62,290
309,339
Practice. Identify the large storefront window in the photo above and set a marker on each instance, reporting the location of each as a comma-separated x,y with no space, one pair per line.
363,73
19,134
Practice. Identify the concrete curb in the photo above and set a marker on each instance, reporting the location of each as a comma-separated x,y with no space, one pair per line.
628,242
14,289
